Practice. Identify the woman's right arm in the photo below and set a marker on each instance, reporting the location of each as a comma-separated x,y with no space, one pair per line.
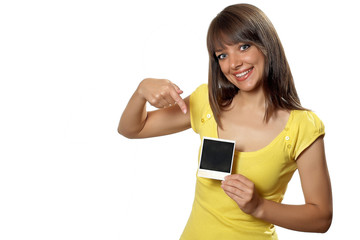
171,117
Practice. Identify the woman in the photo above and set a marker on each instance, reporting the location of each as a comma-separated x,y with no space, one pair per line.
250,98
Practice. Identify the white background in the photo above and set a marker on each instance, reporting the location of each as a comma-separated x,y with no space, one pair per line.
67,70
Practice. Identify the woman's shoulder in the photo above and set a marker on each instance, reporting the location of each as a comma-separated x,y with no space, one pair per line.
306,119
199,105
200,95
304,129
305,115
201,90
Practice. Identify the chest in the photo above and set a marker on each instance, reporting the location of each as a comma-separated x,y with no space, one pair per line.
250,131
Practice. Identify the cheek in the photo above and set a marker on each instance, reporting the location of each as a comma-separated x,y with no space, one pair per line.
262,64
253,59
224,68
256,57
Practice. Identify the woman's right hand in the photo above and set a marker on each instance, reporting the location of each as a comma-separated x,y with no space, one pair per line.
137,122
161,93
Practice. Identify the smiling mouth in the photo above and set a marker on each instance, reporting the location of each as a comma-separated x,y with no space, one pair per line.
243,75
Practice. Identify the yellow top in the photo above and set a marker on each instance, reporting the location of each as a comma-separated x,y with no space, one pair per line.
215,215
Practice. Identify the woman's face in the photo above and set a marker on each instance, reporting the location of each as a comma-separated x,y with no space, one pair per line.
243,65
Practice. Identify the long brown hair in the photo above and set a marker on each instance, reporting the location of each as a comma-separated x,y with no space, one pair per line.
247,24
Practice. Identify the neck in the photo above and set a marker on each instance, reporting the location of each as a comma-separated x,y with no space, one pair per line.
254,100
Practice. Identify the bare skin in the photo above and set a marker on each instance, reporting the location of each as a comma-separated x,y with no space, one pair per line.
246,115
173,115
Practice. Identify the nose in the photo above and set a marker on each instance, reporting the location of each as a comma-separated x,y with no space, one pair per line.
235,61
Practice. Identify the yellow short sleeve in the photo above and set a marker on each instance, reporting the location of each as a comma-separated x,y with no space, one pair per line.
306,129
199,100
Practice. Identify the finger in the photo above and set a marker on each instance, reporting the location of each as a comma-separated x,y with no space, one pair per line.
237,185
240,178
233,192
178,100
158,101
178,90
234,197
170,101
163,103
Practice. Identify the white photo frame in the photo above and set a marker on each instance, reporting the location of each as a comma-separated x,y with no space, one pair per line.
216,158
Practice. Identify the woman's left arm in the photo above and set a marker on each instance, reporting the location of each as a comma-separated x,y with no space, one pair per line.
314,216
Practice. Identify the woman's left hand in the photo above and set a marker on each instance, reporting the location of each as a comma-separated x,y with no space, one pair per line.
244,193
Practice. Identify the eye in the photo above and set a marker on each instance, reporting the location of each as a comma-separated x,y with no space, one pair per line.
221,56
244,47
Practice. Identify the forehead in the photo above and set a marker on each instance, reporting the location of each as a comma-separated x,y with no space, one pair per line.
221,41
223,35
225,47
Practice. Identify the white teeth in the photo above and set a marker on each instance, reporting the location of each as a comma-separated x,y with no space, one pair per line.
243,73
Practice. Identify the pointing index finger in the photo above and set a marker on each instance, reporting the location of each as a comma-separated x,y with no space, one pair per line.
178,100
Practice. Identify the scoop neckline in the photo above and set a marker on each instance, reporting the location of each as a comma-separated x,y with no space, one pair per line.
265,148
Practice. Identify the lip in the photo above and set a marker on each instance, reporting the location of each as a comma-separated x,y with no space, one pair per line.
244,77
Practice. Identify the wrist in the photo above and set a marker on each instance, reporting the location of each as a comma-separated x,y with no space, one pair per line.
260,209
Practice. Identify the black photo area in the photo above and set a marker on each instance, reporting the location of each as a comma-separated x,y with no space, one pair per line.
217,155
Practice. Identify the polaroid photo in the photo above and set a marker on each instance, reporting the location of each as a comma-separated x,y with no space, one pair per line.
216,158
